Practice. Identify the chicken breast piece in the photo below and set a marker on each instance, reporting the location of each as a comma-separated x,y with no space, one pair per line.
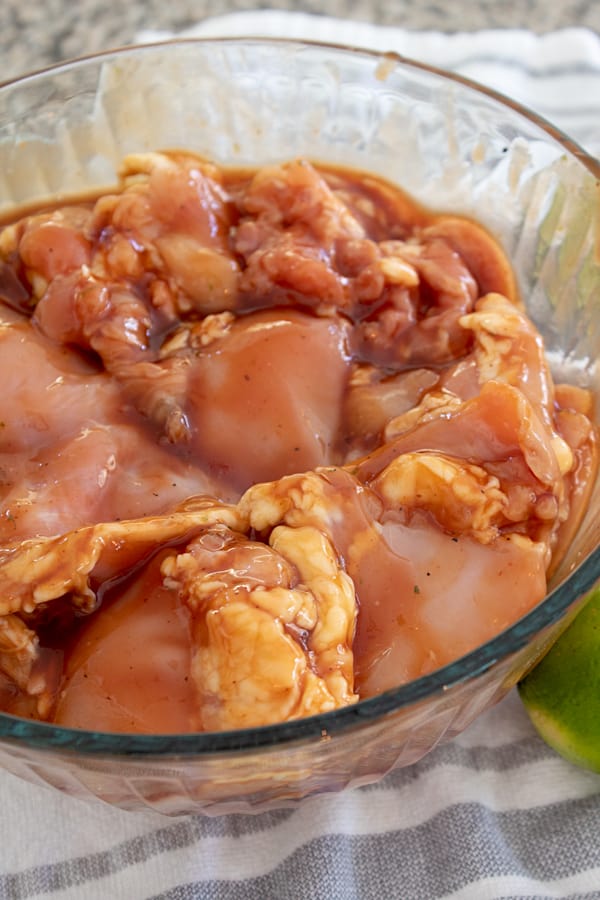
273,625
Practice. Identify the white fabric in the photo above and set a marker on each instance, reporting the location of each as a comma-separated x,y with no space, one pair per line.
495,814
494,784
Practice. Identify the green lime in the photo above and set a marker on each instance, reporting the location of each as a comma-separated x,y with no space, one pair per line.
562,693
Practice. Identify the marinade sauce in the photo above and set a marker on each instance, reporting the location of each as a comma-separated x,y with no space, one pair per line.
271,441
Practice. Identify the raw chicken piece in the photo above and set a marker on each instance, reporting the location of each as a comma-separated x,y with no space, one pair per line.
242,401
71,451
18,650
54,244
46,391
419,321
373,399
182,194
104,472
28,677
295,194
302,244
481,253
130,668
273,625
455,595
462,497
176,216
291,222
37,571
266,399
495,425
508,348
108,318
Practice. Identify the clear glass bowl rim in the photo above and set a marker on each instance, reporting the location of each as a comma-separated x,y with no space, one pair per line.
43,735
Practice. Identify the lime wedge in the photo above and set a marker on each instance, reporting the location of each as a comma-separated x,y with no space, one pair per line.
562,693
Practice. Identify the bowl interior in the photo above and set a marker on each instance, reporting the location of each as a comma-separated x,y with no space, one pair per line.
452,146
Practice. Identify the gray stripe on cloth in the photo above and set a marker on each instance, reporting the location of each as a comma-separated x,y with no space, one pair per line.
461,846
46,879
186,832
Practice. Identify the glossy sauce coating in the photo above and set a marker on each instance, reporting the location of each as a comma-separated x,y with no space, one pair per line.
270,441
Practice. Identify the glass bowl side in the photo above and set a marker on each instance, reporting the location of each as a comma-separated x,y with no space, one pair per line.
453,147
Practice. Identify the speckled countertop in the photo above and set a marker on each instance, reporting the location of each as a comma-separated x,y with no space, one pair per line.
36,33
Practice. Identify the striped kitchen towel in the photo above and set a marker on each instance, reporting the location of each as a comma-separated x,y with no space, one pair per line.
494,814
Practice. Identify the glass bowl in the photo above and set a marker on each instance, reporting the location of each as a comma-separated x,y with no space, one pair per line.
454,146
